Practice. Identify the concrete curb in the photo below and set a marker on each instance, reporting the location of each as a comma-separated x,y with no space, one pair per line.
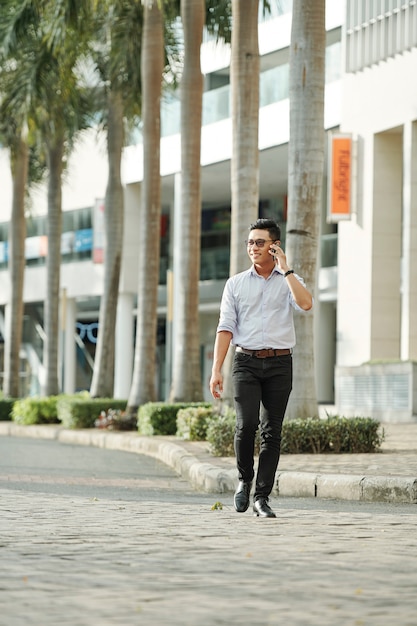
212,479
395,489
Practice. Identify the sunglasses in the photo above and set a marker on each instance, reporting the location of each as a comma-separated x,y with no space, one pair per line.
259,243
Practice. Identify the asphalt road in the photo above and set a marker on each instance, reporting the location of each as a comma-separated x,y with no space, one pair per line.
50,467
92,537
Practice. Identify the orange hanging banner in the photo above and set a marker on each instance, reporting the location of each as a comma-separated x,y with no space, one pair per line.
340,178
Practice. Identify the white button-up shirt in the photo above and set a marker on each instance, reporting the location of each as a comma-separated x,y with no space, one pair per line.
259,312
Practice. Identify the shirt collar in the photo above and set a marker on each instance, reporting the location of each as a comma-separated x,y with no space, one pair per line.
275,270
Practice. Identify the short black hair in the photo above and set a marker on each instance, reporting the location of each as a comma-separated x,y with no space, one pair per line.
267,224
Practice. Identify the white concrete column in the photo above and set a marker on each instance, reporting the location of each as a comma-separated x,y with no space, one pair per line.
386,246
177,243
5,329
175,286
123,370
409,245
70,351
169,334
325,349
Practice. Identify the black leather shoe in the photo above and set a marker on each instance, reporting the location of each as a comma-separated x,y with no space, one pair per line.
261,508
242,494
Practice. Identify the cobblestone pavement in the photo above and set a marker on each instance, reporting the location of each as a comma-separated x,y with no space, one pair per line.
80,561
169,556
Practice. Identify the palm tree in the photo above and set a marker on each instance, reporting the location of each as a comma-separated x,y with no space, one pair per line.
13,132
244,80
19,152
59,115
119,24
118,65
305,179
46,83
186,382
244,83
152,57
143,384
14,135
112,29
103,375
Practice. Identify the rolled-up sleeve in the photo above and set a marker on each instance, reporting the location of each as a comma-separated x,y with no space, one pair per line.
228,317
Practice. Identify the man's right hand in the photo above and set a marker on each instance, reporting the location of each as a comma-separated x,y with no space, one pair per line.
216,385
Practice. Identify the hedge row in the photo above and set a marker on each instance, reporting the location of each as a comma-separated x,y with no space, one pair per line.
299,436
6,406
36,410
81,411
334,434
195,421
78,411
160,418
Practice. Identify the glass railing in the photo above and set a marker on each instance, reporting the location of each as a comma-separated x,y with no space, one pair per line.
215,263
170,116
273,87
328,250
216,105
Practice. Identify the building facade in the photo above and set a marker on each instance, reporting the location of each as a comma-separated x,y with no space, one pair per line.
377,251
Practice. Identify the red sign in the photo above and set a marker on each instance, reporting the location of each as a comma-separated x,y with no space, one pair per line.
340,178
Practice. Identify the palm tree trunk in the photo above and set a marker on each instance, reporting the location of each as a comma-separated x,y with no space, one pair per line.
244,81
305,180
144,373
102,384
13,338
186,383
55,154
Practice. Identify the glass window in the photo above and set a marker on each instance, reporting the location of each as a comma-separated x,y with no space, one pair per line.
215,243
333,62
274,85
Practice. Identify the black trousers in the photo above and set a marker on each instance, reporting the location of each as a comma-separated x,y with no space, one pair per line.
262,388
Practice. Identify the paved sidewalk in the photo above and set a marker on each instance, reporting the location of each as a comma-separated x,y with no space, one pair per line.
388,476
79,561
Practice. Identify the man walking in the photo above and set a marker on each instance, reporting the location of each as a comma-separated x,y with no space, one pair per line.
256,315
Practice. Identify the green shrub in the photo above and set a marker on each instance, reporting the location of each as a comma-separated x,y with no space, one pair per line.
354,434
81,411
221,433
304,436
192,422
160,418
6,407
333,434
35,410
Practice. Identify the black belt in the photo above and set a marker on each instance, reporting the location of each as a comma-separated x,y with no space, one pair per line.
266,352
